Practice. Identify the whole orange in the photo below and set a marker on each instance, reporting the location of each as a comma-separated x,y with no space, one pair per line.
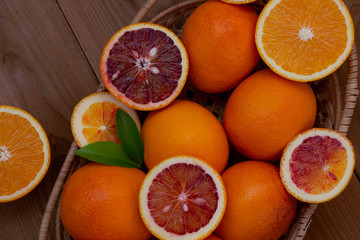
212,237
265,112
101,202
184,128
258,206
220,41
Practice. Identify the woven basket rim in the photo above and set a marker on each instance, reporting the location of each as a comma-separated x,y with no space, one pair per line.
343,120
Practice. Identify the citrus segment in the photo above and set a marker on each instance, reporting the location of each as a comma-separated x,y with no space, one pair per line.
144,65
94,118
24,153
182,198
304,40
317,165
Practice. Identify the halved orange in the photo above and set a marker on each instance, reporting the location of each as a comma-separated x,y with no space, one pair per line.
24,153
304,40
94,118
317,165
145,66
182,198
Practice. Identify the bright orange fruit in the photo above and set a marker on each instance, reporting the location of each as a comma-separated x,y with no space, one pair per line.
258,207
265,112
100,202
220,40
24,153
184,127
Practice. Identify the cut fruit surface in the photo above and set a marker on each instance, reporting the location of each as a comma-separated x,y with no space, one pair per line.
317,165
94,118
145,66
304,40
24,153
182,198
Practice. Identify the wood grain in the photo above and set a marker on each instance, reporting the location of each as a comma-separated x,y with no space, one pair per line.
50,52
43,71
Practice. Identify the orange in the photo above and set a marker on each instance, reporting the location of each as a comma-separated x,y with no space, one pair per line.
258,207
265,112
184,128
94,118
182,198
144,65
24,153
317,165
238,1
304,40
220,40
100,202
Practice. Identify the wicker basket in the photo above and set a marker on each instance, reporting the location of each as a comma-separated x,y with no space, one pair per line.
335,111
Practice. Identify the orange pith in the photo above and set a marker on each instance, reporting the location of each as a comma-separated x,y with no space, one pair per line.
304,40
100,122
326,169
24,153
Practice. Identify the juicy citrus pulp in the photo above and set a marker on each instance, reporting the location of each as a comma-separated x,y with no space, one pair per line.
144,65
304,40
94,118
182,198
317,165
24,153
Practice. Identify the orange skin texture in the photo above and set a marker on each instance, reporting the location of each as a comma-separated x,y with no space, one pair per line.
265,112
184,128
220,41
258,206
101,202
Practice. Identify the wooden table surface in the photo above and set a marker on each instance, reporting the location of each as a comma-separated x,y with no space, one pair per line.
49,60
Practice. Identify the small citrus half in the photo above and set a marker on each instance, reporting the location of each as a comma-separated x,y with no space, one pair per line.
94,118
238,1
304,40
24,153
317,165
182,198
144,65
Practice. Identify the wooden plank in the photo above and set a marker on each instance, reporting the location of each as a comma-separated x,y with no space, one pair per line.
43,71
338,219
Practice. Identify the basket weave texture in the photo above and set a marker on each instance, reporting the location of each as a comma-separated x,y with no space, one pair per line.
335,111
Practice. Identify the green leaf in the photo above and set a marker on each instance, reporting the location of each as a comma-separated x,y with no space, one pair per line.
109,153
129,136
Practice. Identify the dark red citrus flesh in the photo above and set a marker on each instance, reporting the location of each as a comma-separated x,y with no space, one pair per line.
318,164
182,198
145,65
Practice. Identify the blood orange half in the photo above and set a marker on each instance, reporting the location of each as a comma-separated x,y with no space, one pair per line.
145,66
317,165
182,198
